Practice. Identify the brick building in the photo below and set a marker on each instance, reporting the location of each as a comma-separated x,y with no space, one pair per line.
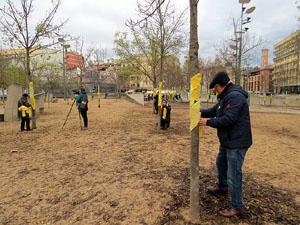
74,60
260,79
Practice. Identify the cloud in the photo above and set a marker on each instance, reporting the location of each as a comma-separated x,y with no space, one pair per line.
97,21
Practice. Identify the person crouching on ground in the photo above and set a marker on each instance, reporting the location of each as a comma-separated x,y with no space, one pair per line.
165,114
231,118
24,108
82,100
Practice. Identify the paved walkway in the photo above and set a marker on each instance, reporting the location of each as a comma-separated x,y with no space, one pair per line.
274,109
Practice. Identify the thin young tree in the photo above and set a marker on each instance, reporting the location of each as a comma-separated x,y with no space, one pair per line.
20,31
158,34
84,56
194,153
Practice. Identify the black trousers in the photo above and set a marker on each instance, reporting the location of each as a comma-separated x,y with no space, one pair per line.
165,123
84,116
23,121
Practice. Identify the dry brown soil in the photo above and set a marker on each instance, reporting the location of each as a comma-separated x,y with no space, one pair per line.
124,171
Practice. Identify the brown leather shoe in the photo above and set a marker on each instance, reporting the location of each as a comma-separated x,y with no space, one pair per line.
215,190
230,212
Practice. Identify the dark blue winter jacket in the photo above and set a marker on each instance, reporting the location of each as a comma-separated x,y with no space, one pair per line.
231,118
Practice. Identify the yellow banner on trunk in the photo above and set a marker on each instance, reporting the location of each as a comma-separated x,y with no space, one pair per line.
31,94
159,94
195,102
98,91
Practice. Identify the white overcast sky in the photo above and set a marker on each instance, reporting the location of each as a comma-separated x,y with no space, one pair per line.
96,21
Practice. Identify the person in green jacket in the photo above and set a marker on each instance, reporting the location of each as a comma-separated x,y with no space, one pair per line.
82,101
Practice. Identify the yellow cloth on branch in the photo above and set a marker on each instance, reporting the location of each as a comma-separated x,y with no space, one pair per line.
25,110
159,94
195,102
31,94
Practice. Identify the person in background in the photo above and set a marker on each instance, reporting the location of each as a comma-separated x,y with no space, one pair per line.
165,114
25,112
82,100
230,116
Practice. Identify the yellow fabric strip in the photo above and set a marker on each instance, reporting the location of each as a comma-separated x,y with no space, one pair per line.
165,113
31,94
159,94
195,102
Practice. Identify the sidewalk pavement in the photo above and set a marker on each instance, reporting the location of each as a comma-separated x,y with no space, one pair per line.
274,109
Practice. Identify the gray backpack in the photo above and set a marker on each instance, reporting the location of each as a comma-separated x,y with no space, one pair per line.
84,102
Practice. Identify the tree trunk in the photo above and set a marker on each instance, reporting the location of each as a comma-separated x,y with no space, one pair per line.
154,87
80,78
194,153
29,78
3,98
161,26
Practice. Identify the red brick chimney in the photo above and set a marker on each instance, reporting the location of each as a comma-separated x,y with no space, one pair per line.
265,58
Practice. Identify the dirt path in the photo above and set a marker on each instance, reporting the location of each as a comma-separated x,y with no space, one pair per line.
123,171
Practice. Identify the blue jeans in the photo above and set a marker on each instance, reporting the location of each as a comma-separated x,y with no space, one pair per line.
230,176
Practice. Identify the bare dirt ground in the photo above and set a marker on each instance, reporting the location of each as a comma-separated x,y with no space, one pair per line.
124,171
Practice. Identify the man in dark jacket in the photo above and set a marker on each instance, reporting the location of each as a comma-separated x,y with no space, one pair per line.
82,101
231,118
24,112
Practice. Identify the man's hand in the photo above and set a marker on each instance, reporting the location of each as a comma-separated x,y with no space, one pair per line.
203,121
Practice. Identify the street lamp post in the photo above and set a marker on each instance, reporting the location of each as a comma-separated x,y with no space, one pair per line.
248,20
65,47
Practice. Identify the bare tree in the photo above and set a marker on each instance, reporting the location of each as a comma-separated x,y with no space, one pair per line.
208,68
19,31
4,62
227,51
84,54
158,34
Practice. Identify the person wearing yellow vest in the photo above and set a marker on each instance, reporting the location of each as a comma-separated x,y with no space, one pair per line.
24,108
165,114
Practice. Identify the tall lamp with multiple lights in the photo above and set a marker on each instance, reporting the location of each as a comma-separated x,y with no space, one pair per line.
65,47
243,21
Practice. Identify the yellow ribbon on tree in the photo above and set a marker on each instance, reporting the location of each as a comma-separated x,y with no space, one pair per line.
98,91
159,94
31,94
195,102
165,113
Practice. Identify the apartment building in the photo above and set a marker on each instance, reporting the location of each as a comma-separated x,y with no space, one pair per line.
286,75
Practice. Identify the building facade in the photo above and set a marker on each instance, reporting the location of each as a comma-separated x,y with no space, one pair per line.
74,60
286,76
258,80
